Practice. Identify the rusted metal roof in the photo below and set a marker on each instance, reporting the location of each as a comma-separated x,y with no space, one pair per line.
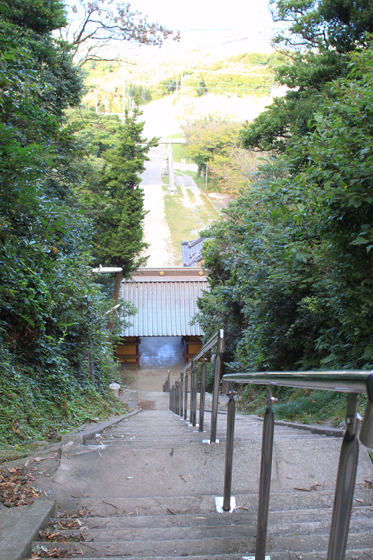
166,300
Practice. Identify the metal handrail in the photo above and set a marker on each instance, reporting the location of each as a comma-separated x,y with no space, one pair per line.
353,382
213,340
346,381
179,391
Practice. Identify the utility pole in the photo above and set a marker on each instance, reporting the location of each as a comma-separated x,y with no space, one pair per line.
96,101
206,175
181,95
123,93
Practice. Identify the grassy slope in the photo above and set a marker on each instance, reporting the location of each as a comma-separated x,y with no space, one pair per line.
247,74
298,405
184,222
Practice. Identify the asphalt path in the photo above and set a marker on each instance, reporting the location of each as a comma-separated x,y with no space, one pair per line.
156,231
160,121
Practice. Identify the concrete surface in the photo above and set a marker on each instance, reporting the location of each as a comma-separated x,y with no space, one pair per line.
20,526
156,231
148,485
145,464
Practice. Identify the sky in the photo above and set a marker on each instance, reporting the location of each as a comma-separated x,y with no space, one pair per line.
251,16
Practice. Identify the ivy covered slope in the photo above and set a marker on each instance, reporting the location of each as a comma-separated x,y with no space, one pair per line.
291,266
51,307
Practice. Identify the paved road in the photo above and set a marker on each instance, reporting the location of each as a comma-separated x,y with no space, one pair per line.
156,230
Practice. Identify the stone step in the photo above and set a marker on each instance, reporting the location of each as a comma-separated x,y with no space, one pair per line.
200,505
165,548
360,554
208,545
229,530
241,517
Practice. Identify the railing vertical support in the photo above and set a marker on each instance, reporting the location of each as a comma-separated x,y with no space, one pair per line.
177,397
181,411
229,454
265,480
194,391
186,397
202,395
219,364
191,395
344,491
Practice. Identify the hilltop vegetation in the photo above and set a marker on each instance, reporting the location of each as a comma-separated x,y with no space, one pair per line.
247,74
53,310
291,266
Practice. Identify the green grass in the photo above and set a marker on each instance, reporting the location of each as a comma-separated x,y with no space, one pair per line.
191,195
185,223
298,405
178,150
201,182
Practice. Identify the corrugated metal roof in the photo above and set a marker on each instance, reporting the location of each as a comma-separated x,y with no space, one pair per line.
165,308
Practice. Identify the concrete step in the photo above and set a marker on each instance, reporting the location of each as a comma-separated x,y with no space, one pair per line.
228,544
360,554
230,530
239,517
231,543
201,505
165,548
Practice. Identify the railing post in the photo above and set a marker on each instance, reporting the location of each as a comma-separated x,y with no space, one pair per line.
202,395
229,454
181,394
186,397
219,363
344,491
265,479
194,391
191,396
177,397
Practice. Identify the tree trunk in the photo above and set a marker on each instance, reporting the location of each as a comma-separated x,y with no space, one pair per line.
118,280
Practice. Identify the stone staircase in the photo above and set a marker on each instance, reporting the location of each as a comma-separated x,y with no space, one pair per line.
146,488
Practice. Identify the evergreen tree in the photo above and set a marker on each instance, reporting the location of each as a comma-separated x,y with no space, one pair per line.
120,203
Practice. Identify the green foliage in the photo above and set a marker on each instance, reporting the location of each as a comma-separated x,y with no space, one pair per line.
323,33
52,311
112,197
291,265
217,143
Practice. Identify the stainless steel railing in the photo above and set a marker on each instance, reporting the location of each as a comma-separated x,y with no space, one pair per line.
355,383
179,390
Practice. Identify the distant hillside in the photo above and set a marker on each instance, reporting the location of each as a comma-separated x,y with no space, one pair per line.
186,75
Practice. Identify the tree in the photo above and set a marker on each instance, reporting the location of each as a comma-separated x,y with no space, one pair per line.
116,202
319,35
217,144
97,25
291,266
51,308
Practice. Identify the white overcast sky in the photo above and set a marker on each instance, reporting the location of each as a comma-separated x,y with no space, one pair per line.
251,16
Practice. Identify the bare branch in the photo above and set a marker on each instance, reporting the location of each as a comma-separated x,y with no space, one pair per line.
102,21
